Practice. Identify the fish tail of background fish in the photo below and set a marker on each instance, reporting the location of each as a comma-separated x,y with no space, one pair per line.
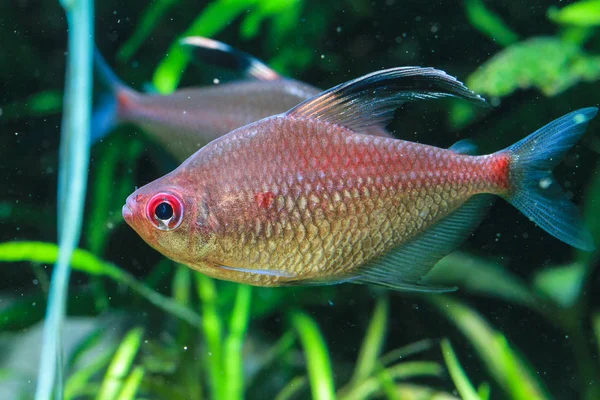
109,104
531,187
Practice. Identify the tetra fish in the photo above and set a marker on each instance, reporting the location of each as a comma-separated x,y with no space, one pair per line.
189,118
306,197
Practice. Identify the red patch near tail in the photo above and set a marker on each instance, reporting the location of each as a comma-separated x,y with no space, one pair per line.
123,101
264,200
501,170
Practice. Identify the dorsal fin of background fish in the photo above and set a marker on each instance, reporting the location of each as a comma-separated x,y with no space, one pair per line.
372,99
208,51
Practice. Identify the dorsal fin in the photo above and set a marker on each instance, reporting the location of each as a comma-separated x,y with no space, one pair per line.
465,146
372,99
212,52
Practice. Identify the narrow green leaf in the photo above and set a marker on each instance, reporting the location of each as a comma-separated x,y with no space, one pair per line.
412,369
238,325
292,388
214,18
563,284
372,344
406,351
43,103
120,365
459,377
181,285
317,356
582,13
505,365
418,392
212,327
596,328
149,21
591,215
84,346
481,276
79,381
132,384
72,182
86,262
489,23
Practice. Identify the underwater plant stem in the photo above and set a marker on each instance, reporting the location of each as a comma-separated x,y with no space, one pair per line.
238,325
212,327
73,167
320,373
372,344
412,369
459,377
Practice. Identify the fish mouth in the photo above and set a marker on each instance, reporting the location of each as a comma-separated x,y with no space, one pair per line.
127,214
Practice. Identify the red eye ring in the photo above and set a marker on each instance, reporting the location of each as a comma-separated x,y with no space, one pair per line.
165,211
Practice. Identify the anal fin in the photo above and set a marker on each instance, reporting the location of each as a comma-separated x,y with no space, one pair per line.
403,267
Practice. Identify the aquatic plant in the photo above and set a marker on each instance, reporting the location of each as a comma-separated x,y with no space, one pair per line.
175,334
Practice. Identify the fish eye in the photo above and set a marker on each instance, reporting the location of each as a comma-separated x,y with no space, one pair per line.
165,211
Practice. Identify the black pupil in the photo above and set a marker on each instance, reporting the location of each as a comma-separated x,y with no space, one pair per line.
163,211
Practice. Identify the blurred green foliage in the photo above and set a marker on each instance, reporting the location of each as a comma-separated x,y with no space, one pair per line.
191,337
582,13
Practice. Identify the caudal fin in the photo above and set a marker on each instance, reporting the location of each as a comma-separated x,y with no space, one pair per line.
534,192
105,115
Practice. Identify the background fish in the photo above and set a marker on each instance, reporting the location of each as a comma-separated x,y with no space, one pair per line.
305,197
187,119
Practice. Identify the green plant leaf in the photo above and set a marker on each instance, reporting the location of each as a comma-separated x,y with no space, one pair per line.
292,388
79,381
74,154
372,343
409,391
582,13
459,377
46,102
406,370
591,215
317,356
548,64
86,262
148,22
84,346
212,327
489,23
505,365
120,365
132,384
563,284
596,328
238,325
481,276
406,351
212,20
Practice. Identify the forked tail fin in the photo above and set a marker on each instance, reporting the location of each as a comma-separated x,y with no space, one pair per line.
106,104
533,190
